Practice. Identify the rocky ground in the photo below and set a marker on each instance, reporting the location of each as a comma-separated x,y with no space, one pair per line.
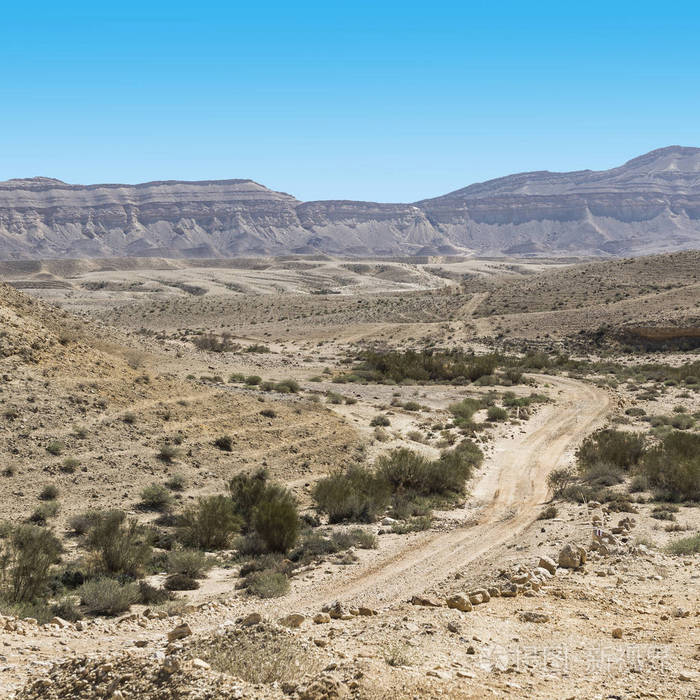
490,601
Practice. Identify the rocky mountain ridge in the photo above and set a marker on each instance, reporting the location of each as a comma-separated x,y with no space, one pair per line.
650,204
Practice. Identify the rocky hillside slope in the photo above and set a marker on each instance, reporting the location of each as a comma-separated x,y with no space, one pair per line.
649,204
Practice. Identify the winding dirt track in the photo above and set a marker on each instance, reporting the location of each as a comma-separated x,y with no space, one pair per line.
509,493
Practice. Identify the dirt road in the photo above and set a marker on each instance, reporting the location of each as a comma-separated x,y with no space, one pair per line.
508,497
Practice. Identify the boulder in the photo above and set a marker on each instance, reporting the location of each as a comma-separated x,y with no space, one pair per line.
366,612
322,618
571,556
509,590
250,620
179,632
294,620
458,602
548,564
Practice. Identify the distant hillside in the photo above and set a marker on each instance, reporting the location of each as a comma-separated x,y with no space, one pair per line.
650,204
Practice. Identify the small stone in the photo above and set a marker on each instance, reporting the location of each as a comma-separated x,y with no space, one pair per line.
295,620
179,632
322,618
617,633
533,616
548,564
458,602
425,601
201,664
366,612
250,620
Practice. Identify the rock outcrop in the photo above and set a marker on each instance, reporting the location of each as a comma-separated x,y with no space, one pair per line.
650,204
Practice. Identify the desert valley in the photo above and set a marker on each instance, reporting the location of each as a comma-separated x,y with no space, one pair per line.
323,476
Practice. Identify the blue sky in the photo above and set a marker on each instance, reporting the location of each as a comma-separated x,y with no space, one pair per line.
390,101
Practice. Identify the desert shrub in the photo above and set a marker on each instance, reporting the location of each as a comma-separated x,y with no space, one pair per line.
267,583
253,380
257,348
190,562
69,465
180,582
48,493
150,595
424,366
464,410
350,400
380,421
635,411
364,539
209,524
275,519
121,544
411,406
415,524
129,418
639,483
682,422
66,609
268,413
213,343
356,494
686,545
156,497
176,482
548,513
168,453
603,474
80,524
259,655
334,398
673,466
236,378
26,556
55,448
42,514
615,447
287,386
496,414
246,490
106,596
407,471
224,443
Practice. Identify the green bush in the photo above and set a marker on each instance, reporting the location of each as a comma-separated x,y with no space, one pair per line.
356,494
69,465
190,562
496,414
55,448
287,386
156,497
180,582
246,490
224,443
120,544
276,520
380,421
686,545
49,493
44,512
253,380
267,583
106,596
26,557
209,524
176,482
80,524
168,453
673,466
615,447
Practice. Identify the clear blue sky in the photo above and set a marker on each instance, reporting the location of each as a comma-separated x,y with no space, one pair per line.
391,101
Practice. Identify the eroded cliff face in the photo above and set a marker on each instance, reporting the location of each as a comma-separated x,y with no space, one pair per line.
650,204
